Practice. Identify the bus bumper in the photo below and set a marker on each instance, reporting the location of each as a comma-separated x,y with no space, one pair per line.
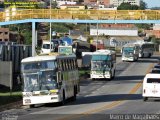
41,99
100,76
127,59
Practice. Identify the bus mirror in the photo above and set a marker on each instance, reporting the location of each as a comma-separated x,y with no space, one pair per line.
58,77
112,65
121,50
134,52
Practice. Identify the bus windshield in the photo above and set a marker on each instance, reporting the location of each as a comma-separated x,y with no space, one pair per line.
39,76
45,80
128,51
36,66
100,65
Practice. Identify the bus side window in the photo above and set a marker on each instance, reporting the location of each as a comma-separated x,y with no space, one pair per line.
59,65
69,64
66,65
63,65
75,64
72,64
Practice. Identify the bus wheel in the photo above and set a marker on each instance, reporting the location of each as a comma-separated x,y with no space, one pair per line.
31,106
145,98
113,75
63,99
74,96
149,55
93,78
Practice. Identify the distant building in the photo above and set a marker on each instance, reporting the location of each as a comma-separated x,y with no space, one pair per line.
61,2
156,27
118,34
4,34
117,3
103,7
115,30
75,33
97,2
156,33
72,7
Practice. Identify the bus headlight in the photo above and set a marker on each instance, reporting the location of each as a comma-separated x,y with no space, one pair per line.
53,92
93,72
107,72
28,94
27,101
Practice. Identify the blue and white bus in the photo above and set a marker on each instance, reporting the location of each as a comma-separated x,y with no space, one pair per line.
103,64
130,52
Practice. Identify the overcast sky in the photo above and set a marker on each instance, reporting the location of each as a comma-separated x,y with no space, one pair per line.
152,3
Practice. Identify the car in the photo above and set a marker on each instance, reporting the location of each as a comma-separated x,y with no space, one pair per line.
157,66
155,70
151,86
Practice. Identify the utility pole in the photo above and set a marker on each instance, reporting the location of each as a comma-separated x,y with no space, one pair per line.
97,37
50,25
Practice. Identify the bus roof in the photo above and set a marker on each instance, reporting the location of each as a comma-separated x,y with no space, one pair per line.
47,57
104,52
143,42
130,45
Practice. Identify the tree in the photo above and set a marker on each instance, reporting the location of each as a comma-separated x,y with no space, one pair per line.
54,4
156,41
24,32
42,5
124,6
144,26
128,6
143,5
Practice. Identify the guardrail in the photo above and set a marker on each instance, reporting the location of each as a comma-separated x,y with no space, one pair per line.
80,14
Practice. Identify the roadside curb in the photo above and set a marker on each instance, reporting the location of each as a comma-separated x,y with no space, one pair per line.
157,53
13,105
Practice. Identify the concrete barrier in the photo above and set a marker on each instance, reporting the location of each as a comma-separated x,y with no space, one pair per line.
6,73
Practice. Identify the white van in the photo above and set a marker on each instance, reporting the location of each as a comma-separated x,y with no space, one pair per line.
151,86
46,47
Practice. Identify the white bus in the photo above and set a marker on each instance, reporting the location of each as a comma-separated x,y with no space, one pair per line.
103,64
49,78
130,52
146,49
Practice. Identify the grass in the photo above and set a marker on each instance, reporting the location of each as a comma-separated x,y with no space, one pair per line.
7,97
84,72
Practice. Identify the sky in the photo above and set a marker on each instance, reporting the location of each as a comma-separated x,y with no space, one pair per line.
152,3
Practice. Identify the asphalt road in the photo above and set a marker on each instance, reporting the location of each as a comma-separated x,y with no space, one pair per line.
120,98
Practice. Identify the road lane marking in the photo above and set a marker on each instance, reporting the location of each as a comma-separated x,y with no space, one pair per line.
111,105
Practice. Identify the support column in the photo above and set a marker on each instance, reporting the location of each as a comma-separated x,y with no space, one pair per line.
33,39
